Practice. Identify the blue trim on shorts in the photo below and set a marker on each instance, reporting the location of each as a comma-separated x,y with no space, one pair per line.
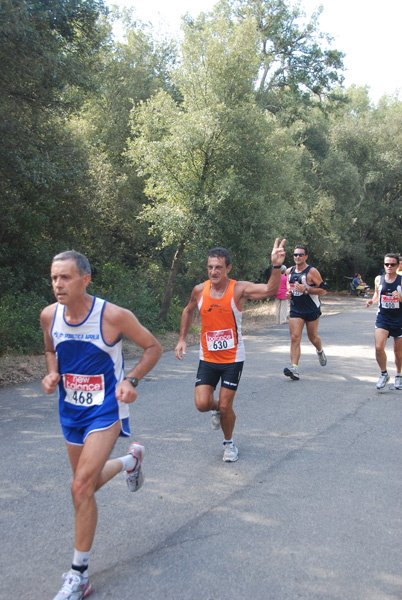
76,436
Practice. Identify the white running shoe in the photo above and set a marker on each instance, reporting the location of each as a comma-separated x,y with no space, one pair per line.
322,358
292,372
383,379
216,419
135,478
76,586
230,453
398,382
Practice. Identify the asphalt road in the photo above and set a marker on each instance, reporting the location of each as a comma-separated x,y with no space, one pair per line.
312,509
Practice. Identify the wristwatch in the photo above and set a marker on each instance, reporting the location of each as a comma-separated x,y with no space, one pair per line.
133,380
276,266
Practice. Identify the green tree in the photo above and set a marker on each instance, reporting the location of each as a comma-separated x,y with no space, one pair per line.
48,53
351,209
206,159
371,138
131,70
297,64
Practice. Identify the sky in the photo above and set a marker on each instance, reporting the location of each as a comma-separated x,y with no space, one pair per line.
367,32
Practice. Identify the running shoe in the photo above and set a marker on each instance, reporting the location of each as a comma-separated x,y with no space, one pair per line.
291,372
322,358
76,586
216,419
383,379
135,478
398,382
230,452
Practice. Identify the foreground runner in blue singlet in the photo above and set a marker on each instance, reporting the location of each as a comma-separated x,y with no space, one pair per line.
83,346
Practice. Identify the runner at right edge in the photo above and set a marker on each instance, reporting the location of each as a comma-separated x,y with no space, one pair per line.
388,323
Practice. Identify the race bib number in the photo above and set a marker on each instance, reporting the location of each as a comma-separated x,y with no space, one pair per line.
294,291
84,390
389,302
220,340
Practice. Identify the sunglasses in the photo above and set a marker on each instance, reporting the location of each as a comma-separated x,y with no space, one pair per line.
390,264
296,254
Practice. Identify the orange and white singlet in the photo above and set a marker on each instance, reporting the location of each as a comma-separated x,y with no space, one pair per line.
221,339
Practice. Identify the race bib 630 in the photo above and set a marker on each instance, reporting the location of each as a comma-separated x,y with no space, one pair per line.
220,340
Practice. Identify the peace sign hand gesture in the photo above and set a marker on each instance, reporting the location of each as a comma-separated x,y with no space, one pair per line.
278,253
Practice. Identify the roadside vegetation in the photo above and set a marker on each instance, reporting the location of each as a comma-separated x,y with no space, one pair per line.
143,151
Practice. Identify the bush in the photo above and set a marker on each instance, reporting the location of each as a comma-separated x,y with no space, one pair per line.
173,318
121,286
20,330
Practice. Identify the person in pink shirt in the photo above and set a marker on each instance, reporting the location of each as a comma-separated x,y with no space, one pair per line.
281,301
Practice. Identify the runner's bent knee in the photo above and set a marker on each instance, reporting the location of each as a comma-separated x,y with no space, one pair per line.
204,397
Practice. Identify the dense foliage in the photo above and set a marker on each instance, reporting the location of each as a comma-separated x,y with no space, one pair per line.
142,153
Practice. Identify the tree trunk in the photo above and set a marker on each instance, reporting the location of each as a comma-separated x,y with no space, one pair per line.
171,281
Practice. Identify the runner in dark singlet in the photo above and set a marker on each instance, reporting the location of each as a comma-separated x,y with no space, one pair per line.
388,323
305,286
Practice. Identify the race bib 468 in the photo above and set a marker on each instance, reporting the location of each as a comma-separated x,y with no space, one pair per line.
84,390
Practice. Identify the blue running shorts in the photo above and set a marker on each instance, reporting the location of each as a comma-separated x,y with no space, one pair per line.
76,435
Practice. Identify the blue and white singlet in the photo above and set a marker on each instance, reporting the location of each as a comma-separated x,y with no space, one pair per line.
90,370
302,303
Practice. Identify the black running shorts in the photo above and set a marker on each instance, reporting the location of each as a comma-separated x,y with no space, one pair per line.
394,329
210,373
312,316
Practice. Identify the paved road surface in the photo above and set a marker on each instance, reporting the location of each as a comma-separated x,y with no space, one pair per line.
312,510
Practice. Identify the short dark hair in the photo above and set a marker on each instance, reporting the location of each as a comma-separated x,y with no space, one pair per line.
80,260
392,255
221,253
302,247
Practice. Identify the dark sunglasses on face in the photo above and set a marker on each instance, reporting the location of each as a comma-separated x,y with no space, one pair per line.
296,254
390,264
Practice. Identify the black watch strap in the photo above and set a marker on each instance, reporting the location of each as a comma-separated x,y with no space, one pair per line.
133,380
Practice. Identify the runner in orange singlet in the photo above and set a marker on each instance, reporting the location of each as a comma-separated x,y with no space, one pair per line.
220,301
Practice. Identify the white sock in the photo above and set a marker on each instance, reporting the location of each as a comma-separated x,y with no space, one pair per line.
128,461
228,441
81,559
